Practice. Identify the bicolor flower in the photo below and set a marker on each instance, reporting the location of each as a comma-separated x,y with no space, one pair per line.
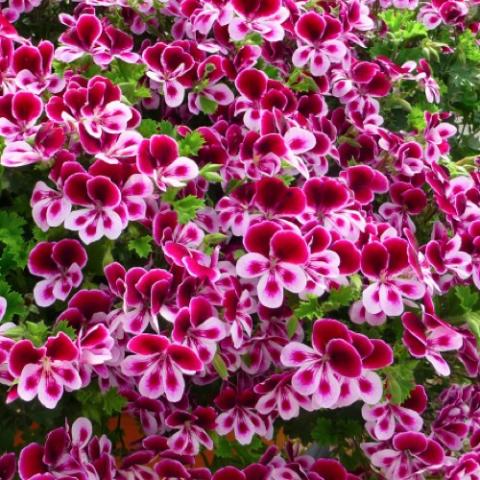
60,263
161,365
46,371
158,157
276,258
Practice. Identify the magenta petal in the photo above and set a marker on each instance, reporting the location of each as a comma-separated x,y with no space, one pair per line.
229,473
61,347
344,359
40,260
251,83
381,357
327,329
30,461
287,246
257,238
374,259
23,353
185,358
148,344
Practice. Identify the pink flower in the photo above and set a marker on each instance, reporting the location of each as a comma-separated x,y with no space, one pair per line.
33,68
387,265
191,430
145,293
277,394
320,34
261,16
239,414
47,141
100,214
46,371
18,114
319,370
198,327
384,419
93,108
428,337
412,454
444,254
161,365
275,257
436,135
168,66
158,158
60,263
329,201
80,39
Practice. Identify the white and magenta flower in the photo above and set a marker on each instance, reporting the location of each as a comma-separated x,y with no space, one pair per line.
158,158
100,214
429,337
168,66
60,263
322,46
239,415
410,455
276,257
259,16
191,430
387,266
161,365
321,368
45,371
199,327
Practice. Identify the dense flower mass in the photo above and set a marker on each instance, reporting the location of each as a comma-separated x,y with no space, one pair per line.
240,240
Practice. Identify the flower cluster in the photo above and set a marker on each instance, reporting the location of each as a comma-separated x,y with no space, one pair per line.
243,215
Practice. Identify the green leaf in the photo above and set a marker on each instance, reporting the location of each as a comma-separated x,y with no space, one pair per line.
127,77
292,325
11,236
473,322
187,208
207,105
99,406
66,328
467,296
220,366
149,127
37,332
210,172
190,145
15,303
400,380
142,246
301,82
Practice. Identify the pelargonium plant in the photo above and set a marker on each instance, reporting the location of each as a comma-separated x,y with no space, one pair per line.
240,240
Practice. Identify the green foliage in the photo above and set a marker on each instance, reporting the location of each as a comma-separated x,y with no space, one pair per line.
312,308
340,434
230,452
11,237
15,303
207,105
210,172
220,366
99,406
127,77
142,246
190,145
149,127
66,328
301,82
400,380
185,207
